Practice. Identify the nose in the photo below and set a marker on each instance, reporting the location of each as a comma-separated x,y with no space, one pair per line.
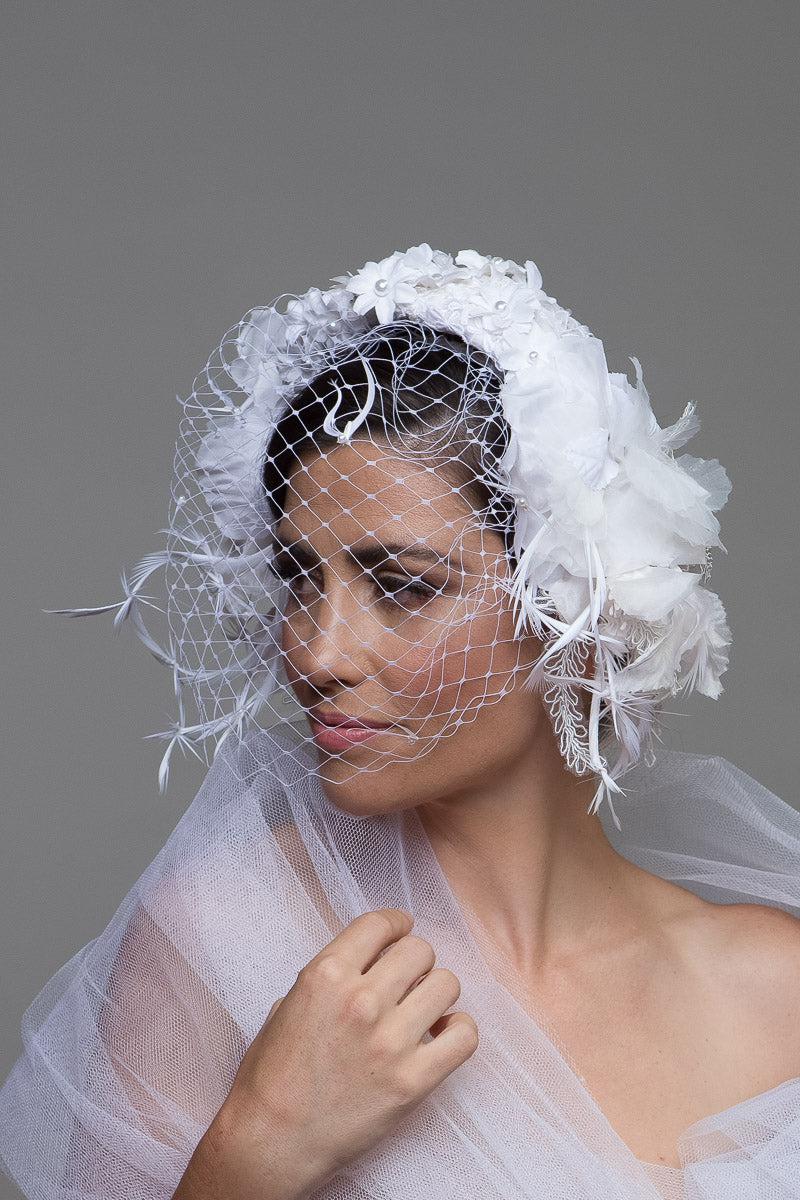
330,640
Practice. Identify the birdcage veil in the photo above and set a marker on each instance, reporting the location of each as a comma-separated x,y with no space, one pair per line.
447,400
386,456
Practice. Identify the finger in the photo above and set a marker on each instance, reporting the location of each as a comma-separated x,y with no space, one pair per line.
455,1039
426,1002
404,965
360,943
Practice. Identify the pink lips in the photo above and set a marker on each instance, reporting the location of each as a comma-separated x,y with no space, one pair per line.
337,732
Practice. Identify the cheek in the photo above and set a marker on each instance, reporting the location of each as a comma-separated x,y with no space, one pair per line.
475,661
294,650
287,641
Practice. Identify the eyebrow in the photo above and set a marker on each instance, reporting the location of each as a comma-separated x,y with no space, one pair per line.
369,556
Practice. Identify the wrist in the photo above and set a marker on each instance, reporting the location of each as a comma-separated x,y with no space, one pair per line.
252,1161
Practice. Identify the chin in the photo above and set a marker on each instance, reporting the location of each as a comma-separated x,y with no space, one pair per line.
373,789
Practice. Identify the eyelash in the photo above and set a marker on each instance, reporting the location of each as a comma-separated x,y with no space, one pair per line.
290,573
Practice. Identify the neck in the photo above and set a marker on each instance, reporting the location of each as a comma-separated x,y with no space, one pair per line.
521,851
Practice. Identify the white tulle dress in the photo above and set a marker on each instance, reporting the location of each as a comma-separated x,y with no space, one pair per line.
132,1046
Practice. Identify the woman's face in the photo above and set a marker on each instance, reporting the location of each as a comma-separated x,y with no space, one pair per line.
394,615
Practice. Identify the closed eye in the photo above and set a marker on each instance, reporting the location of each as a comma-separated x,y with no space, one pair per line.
405,586
392,587
288,570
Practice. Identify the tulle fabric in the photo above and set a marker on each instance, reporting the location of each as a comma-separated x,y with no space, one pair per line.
132,1046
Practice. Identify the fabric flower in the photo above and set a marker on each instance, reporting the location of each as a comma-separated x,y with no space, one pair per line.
507,307
385,284
228,462
488,265
262,338
317,318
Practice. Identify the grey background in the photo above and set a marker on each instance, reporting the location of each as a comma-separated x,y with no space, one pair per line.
167,165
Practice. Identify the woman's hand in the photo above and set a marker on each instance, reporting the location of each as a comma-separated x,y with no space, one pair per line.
340,1059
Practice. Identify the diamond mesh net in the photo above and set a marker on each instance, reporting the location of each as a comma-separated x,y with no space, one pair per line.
355,586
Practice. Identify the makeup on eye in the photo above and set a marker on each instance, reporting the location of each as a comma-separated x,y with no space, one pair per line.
290,569
297,558
397,586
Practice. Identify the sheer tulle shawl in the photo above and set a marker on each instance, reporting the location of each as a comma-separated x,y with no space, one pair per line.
131,1048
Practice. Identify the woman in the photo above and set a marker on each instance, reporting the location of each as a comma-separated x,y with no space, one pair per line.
430,584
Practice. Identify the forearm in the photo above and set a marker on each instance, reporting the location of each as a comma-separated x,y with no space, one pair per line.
226,1166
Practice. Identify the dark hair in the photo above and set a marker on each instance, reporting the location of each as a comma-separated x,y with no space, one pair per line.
435,395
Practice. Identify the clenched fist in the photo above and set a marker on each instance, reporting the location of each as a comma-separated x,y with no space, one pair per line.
339,1061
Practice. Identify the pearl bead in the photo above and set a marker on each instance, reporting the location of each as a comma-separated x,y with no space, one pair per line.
179,500
500,305
533,355
332,325
381,285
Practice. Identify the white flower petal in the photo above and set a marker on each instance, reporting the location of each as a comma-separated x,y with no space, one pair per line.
651,592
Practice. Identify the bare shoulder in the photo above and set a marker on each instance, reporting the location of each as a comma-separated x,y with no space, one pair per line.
756,939
749,955
766,937
751,938
764,942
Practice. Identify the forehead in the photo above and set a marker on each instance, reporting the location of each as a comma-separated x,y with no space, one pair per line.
365,488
